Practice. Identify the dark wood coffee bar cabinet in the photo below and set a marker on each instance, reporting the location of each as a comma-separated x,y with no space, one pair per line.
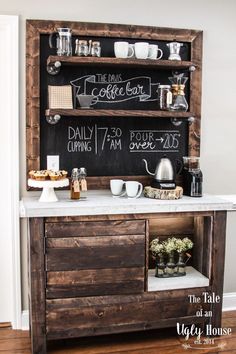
90,271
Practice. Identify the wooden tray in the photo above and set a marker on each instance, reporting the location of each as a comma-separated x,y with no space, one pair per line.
166,194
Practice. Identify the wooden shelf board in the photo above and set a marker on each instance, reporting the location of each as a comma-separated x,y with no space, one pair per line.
117,113
147,63
193,279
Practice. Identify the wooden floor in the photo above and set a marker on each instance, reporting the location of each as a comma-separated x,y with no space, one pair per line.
151,342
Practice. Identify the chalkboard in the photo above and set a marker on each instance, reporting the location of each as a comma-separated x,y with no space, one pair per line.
113,146
110,146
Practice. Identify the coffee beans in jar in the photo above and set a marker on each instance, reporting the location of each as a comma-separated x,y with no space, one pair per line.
165,97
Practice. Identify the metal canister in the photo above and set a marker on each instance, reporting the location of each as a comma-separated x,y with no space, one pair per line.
165,97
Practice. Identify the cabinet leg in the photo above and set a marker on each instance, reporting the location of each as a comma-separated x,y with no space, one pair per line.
219,231
37,286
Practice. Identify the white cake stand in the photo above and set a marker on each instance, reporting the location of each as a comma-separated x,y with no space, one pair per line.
48,194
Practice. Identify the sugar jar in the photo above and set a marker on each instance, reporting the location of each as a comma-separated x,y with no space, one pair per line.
81,48
96,49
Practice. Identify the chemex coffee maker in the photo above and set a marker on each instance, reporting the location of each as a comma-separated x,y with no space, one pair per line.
192,176
164,176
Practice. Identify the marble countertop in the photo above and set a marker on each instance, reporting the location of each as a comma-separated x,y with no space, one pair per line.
102,203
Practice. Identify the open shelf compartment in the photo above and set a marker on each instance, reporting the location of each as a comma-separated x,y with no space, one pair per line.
199,267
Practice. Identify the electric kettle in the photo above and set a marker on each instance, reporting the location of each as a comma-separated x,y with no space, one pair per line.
164,176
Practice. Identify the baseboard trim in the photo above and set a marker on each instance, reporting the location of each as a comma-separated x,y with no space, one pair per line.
25,320
229,302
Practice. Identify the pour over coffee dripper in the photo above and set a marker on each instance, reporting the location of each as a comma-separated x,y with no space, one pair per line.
179,102
178,79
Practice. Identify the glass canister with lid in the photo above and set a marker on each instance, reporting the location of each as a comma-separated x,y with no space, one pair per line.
96,49
81,48
165,97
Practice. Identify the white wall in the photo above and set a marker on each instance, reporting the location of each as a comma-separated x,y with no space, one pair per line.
217,19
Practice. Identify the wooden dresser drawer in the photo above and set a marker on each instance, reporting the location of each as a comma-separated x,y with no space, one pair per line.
94,228
95,252
87,266
95,282
111,314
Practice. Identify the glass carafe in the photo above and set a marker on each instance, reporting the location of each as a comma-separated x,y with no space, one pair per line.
63,41
179,101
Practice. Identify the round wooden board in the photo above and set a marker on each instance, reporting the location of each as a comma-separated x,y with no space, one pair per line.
165,194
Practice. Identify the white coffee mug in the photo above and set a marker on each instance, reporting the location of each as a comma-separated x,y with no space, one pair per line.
123,50
116,186
133,189
153,50
141,50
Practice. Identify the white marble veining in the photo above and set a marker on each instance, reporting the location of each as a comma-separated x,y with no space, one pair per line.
102,203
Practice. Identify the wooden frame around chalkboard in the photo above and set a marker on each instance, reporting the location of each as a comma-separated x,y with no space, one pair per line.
34,28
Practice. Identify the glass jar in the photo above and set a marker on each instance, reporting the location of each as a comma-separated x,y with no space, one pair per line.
170,266
75,185
83,182
96,49
160,266
181,265
165,97
81,48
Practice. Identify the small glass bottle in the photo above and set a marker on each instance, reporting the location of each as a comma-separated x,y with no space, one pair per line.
75,185
83,182
96,49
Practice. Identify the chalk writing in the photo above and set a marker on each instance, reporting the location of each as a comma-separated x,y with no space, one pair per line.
111,88
154,141
97,139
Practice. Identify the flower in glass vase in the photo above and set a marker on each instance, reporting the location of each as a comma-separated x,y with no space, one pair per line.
181,247
158,252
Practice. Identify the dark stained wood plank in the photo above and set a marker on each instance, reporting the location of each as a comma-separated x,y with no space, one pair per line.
108,318
95,241
117,113
218,261
96,257
98,228
147,254
115,217
105,61
173,226
116,30
195,96
37,285
95,282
